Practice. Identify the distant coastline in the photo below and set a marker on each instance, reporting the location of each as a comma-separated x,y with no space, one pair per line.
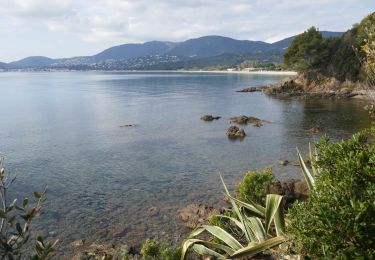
260,72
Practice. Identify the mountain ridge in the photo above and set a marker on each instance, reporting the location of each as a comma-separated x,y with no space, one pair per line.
163,51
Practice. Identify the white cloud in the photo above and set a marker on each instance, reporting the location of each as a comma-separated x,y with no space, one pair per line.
118,21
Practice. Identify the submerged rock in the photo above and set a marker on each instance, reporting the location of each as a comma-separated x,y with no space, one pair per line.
210,118
128,125
284,162
194,215
235,132
315,130
242,120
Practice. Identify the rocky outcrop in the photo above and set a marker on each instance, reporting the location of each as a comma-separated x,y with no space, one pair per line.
315,130
242,120
291,189
210,118
319,87
251,89
235,132
194,215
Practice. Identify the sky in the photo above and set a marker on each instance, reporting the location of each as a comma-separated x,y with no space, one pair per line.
68,28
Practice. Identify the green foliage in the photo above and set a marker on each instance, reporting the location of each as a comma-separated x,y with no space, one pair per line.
253,233
337,220
15,220
153,249
254,185
344,58
307,51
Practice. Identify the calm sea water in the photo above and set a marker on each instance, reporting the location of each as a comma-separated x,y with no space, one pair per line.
63,130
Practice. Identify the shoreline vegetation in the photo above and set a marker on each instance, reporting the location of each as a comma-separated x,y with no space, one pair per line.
329,215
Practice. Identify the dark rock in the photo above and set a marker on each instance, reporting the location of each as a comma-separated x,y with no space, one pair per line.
194,215
284,162
242,120
251,89
291,189
210,118
235,132
129,125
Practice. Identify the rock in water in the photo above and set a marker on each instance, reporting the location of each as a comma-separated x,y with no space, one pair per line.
210,118
235,132
242,120
315,130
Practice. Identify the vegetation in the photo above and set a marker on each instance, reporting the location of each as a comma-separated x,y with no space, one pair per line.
154,250
337,220
341,57
15,220
254,186
254,229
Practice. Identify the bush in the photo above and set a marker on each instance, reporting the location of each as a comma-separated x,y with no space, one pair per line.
254,185
337,220
152,249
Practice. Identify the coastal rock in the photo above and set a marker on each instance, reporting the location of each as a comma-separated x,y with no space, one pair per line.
210,118
315,130
77,243
305,87
291,189
251,89
284,162
242,120
235,132
194,215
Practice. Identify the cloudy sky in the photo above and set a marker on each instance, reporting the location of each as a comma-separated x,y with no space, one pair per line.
66,28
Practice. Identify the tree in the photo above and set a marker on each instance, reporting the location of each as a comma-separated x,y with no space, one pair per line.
307,51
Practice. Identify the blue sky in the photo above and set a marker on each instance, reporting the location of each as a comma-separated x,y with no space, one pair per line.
67,28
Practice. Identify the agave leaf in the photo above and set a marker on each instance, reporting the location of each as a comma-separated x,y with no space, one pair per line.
192,242
280,220
272,204
223,236
255,208
257,228
310,179
235,221
196,232
252,250
202,250
313,157
236,210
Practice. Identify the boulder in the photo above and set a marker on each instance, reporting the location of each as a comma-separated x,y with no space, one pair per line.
235,132
153,211
210,118
194,215
77,243
243,120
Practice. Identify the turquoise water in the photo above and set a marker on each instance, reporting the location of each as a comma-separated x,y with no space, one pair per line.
63,130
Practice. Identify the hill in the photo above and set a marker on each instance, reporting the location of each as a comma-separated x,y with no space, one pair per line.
33,61
198,52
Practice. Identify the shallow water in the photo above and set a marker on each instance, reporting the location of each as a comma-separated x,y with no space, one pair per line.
62,130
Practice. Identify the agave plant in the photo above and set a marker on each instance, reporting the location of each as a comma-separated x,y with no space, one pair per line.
260,228
307,174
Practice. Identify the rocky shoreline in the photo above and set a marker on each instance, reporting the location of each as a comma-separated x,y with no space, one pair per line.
302,87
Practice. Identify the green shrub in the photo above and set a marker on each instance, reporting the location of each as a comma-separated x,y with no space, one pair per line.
254,185
15,221
153,249
337,220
